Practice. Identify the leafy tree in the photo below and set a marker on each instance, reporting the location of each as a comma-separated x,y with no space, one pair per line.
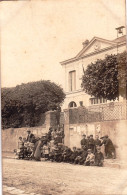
106,78
25,104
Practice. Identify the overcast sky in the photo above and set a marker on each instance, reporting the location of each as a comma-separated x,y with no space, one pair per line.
37,35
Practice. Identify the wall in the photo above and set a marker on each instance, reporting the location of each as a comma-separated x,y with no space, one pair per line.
112,122
10,136
117,131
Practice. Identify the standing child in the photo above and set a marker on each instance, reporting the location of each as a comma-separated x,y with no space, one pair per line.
20,150
46,151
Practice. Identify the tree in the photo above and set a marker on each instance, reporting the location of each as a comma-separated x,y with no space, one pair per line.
25,104
106,78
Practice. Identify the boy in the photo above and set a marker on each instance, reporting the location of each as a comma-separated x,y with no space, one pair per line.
99,158
90,159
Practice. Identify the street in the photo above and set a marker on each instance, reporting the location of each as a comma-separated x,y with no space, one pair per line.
50,178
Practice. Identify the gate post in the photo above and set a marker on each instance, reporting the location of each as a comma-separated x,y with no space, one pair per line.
50,120
66,128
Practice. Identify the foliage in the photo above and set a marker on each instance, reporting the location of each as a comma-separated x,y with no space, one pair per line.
106,78
25,104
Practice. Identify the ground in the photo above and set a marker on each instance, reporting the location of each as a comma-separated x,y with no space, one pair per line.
50,178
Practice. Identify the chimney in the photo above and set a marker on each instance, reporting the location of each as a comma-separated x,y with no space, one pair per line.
85,43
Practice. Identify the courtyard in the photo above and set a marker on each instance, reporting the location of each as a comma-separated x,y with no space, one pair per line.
51,178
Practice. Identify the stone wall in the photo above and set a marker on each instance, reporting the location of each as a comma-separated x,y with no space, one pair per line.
10,136
117,131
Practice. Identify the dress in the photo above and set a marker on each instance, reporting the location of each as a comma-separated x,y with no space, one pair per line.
37,153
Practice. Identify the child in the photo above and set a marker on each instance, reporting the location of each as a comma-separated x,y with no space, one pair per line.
20,151
99,158
90,159
20,143
46,151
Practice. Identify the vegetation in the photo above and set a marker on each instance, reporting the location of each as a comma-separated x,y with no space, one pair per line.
107,78
25,104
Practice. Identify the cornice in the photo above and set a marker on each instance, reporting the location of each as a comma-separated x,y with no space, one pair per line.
92,53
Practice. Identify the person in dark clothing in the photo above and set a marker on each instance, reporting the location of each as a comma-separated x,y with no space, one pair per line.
73,155
97,143
49,134
58,138
83,156
58,153
99,157
109,147
30,137
78,158
91,143
84,141
66,154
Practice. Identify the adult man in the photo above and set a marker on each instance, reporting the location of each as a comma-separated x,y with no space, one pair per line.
84,141
30,137
109,147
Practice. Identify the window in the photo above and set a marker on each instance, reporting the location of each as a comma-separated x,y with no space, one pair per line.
72,80
97,101
72,105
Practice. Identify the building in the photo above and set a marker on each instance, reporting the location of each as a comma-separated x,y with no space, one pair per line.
92,50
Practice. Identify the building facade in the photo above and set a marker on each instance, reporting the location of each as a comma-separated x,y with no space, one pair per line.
92,50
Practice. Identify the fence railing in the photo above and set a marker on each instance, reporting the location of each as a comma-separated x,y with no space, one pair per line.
106,112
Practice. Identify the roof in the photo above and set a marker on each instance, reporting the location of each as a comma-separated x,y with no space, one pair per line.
120,39
111,43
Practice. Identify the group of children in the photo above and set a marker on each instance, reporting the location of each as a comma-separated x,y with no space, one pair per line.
51,147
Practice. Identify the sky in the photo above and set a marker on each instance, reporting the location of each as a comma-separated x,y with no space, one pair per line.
37,35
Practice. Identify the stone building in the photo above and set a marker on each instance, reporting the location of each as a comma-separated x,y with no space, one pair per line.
97,48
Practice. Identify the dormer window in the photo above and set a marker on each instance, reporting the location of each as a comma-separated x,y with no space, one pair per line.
72,80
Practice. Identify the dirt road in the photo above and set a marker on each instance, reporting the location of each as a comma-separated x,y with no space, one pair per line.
49,178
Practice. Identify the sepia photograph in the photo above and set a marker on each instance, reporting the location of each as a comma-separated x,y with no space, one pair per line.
63,97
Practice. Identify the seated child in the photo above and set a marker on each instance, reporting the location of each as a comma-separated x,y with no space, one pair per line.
78,157
73,155
99,157
90,159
